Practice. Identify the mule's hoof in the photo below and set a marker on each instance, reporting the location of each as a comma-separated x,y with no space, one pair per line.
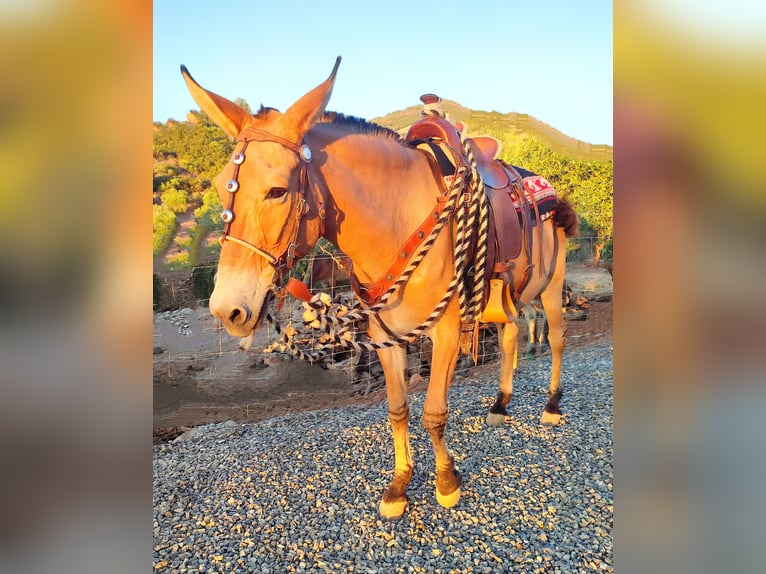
551,419
392,510
448,500
496,419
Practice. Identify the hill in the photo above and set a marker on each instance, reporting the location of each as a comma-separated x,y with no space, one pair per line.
512,124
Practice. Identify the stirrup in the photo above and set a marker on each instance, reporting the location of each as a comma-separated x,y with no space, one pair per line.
499,308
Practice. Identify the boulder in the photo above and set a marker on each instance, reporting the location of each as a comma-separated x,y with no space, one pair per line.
591,282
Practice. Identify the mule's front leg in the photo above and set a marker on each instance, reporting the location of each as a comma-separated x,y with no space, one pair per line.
435,413
448,479
394,363
395,498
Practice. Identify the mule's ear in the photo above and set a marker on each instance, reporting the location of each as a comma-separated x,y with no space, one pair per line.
305,112
228,115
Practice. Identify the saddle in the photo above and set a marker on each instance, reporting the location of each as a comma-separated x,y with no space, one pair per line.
511,222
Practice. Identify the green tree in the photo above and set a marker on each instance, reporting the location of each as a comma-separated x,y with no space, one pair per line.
188,155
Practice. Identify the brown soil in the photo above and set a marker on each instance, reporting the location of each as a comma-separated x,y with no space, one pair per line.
183,399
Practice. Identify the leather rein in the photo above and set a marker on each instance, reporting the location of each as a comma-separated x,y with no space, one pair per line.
285,261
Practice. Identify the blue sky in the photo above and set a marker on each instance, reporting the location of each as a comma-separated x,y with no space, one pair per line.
551,59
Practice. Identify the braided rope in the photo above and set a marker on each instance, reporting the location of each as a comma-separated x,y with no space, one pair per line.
334,326
480,256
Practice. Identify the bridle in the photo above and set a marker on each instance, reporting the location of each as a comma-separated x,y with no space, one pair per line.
283,262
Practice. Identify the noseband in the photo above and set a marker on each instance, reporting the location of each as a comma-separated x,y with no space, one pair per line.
287,259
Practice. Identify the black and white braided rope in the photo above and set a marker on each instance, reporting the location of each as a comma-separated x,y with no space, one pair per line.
480,209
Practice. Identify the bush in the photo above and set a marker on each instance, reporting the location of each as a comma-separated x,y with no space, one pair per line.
184,243
209,213
163,227
179,261
175,199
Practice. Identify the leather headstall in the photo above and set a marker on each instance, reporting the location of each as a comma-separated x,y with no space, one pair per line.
284,261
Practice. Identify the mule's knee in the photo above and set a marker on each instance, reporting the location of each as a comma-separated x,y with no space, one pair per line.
435,423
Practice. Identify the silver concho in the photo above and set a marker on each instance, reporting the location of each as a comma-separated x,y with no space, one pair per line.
305,153
232,186
238,158
227,216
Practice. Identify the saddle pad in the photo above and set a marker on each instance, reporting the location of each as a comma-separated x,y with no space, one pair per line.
537,187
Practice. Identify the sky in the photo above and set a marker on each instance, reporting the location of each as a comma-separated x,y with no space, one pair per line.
551,59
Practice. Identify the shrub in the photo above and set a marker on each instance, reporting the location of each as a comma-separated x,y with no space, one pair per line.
179,261
163,227
175,199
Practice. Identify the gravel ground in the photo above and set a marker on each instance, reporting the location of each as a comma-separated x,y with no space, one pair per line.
299,493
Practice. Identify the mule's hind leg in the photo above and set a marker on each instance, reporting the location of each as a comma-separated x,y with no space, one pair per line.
394,363
530,314
551,299
509,333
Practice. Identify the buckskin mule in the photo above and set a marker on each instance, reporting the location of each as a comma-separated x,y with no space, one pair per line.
307,173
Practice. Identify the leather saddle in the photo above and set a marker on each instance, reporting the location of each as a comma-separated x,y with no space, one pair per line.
509,229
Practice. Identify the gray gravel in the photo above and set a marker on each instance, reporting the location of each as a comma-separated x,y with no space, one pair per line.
299,493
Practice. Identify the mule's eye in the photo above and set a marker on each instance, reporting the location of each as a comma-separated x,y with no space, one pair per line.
276,192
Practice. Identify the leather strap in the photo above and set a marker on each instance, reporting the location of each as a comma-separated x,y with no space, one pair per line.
286,260
371,293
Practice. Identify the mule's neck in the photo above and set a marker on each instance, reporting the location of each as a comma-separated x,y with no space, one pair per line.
378,192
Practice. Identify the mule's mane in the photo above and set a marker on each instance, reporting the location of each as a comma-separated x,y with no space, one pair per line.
359,126
352,124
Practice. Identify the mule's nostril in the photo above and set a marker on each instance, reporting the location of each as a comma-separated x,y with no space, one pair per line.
240,315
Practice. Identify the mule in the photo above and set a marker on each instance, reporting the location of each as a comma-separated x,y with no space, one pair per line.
308,173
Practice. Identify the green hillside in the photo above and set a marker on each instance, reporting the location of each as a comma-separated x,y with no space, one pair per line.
487,123
189,154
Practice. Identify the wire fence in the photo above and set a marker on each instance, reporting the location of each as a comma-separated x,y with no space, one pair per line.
187,337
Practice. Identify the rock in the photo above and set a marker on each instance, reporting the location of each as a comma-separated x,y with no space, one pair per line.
592,282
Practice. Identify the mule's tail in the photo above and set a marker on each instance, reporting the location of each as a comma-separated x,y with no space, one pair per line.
566,217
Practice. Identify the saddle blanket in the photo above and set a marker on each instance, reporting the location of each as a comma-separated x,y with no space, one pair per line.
537,187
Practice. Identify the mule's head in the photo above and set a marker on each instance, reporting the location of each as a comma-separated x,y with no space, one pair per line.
269,214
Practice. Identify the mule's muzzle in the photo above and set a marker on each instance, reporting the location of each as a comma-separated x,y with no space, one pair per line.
240,320
236,319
